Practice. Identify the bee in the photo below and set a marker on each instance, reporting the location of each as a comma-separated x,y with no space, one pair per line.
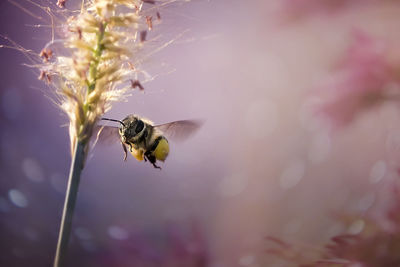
144,140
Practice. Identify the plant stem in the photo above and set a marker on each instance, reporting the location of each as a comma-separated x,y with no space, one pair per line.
69,204
96,57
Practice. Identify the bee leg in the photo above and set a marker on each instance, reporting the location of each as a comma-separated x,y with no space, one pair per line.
155,166
125,152
152,160
146,157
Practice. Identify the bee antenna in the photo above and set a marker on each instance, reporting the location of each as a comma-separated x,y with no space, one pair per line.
106,119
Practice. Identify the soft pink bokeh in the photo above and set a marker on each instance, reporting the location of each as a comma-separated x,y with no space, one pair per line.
365,77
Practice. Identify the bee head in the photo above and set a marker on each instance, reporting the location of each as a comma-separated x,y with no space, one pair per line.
132,128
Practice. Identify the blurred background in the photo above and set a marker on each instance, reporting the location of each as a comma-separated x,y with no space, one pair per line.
262,164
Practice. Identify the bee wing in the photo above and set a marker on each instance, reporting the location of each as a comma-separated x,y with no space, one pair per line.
106,134
179,130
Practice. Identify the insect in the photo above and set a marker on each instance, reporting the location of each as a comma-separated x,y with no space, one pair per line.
144,140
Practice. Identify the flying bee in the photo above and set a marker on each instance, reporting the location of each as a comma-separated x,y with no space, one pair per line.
144,140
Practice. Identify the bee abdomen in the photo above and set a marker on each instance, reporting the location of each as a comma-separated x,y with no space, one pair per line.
160,148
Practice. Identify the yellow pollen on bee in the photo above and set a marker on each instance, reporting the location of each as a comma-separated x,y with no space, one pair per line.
162,150
138,154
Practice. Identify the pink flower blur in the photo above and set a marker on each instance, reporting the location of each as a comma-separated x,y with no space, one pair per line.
298,9
362,80
375,246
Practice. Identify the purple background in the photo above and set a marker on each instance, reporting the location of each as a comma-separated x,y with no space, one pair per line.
259,166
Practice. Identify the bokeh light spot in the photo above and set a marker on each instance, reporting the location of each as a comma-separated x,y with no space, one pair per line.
117,232
233,185
246,260
83,233
17,198
366,202
377,172
32,170
356,227
292,174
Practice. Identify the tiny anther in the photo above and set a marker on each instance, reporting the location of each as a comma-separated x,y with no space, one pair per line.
46,54
61,3
131,66
149,21
136,83
143,35
42,75
79,30
48,78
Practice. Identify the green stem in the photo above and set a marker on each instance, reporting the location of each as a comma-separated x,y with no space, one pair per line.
95,63
97,56
69,204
